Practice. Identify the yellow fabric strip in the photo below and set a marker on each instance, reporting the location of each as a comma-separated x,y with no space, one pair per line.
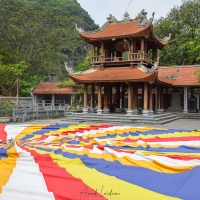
30,130
7,165
104,184
108,186
152,165
165,135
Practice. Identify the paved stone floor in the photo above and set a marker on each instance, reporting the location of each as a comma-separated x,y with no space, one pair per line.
184,124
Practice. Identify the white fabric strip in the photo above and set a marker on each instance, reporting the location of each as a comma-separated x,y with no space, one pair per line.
13,130
26,182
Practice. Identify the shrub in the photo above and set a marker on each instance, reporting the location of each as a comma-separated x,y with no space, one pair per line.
6,107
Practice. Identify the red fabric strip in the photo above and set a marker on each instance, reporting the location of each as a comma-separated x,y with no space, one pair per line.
63,185
3,134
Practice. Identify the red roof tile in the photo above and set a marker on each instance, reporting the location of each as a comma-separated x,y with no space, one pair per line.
114,75
116,30
164,80
121,30
185,75
51,88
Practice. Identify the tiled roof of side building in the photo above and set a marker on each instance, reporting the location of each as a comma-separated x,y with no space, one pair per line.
113,75
51,88
183,75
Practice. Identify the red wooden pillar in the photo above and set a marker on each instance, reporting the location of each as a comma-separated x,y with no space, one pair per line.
99,111
85,108
129,111
145,100
92,99
135,98
106,109
162,99
150,99
118,109
158,99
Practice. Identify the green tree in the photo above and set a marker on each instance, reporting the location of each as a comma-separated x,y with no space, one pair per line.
11,77
183,23
85,64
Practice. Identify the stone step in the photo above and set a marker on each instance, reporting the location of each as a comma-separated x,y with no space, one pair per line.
189,115
122,118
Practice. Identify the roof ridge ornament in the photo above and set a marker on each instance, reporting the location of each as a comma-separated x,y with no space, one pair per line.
145,69
172,77
167,38
156,64
126,16
149,70
79,29
142,17
71,71
111,19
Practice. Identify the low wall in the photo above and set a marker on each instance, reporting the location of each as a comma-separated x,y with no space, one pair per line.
31,114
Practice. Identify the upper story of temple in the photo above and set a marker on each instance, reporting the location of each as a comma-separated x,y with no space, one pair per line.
124,43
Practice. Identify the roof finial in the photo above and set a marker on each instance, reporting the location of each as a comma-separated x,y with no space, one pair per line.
142,17
126,16
111,19
79,29
167,38
152,18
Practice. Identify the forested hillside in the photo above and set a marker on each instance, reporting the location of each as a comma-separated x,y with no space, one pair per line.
36,38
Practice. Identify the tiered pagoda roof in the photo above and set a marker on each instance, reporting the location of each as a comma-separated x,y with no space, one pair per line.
174,76
114,29
128,28
114,75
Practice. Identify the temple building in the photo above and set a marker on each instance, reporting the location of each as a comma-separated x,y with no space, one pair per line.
126,73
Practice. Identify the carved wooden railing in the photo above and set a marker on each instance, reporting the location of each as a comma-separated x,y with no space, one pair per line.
139,57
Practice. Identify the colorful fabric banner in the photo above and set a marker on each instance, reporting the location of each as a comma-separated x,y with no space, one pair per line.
85,161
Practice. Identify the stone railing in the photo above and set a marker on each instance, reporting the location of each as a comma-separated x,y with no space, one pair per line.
36,113
22,101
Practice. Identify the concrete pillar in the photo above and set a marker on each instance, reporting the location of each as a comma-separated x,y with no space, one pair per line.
150,99
99,110
145,100
53,101
85,108
185,110
71,101
34,100
129,111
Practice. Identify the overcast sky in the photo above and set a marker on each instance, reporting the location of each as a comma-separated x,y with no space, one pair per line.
99,10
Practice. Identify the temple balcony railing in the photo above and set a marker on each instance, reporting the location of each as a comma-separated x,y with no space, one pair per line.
135,58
